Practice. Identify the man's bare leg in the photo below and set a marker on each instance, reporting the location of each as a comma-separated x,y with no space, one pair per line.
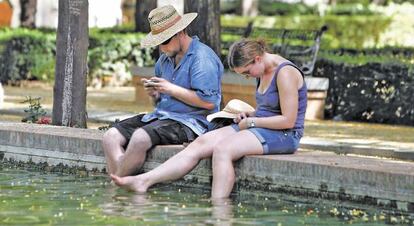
135,154
112,143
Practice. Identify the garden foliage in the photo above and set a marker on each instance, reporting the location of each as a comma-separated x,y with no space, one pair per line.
30,55
372,92
35,112
26,55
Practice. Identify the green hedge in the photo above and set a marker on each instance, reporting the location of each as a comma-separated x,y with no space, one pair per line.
372,92
369,85
26,55
278,8
112,54
343,32
387,55
272,8
30,55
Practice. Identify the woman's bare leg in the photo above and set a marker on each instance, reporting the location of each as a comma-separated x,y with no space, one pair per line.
225,153
178,165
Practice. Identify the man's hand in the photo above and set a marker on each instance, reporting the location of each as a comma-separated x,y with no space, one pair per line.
150,89
188,96
162,86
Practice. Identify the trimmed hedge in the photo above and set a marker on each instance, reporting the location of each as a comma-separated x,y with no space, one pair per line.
26,55
402,55
372,92
278,7
112,54
343,31
30,55
271,8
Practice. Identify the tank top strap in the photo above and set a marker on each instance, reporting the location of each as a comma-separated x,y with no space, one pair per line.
286,63
279,67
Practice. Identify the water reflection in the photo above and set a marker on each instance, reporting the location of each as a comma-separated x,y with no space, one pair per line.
120,203
37,198
160,205
169,206
222,211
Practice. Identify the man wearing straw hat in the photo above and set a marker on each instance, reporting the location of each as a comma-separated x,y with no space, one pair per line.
185,89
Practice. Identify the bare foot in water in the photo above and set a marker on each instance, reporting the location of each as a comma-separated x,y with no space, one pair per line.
132,183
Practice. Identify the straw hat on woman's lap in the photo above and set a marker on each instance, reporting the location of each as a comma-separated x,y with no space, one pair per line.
231,110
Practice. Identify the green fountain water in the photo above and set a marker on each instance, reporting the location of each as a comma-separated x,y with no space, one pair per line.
35,198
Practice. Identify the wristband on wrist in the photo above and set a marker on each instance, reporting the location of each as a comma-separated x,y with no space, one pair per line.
251,123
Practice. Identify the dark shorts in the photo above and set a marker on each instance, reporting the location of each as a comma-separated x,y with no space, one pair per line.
160,131
275,141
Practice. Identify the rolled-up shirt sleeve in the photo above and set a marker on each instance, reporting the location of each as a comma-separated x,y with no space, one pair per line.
205,79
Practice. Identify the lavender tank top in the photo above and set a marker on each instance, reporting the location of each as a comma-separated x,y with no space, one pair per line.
268,103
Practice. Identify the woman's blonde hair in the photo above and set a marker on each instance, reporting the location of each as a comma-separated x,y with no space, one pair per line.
243,52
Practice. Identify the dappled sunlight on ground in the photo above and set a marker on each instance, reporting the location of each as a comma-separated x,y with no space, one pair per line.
105,99
122,99
17,118
359,132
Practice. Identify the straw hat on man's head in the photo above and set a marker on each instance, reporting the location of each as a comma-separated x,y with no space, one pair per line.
165,22
231,110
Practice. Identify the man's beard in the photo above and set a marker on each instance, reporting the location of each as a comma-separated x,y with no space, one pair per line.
171,54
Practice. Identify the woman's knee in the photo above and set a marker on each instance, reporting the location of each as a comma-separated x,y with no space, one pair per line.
211,138
201,141
200,148
221,153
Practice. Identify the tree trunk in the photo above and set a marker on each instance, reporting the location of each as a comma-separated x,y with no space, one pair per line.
207,25
250,8
28,13
69,94
142,9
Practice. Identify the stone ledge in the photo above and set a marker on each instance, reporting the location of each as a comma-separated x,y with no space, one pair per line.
394,150
316,173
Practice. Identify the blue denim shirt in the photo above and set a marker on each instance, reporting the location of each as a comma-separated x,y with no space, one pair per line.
199,70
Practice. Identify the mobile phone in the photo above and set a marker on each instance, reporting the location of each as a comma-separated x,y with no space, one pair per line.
150,83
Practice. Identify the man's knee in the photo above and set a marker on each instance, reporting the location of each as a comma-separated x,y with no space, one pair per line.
140,138
113,136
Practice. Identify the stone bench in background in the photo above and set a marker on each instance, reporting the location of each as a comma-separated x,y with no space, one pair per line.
235,86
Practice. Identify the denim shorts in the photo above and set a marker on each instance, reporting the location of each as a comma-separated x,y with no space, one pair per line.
160,131
275,141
